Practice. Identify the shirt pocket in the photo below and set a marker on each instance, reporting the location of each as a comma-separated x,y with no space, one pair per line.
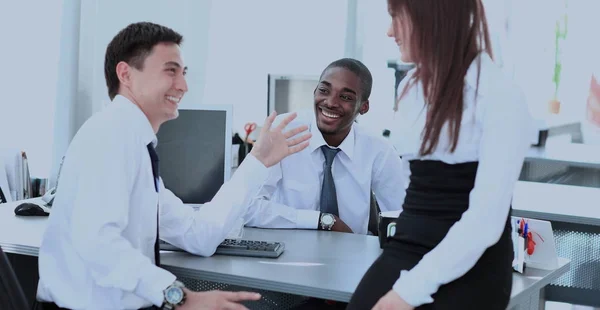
296,186
300,195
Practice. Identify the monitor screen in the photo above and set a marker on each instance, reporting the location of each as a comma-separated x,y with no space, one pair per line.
290,93
194,152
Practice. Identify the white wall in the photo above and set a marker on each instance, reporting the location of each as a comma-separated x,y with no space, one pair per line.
229,46
103,19
86,29
30,53
66,111
249,39
376,49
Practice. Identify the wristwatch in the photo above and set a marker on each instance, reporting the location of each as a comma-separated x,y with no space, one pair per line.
174,296
327,221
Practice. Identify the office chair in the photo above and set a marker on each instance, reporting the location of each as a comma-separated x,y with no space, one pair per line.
11,293
374,216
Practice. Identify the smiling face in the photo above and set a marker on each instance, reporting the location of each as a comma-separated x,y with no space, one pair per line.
400,30
158,86
337,103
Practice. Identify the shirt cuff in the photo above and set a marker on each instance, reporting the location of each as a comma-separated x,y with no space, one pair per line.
153,284
307,219
413,290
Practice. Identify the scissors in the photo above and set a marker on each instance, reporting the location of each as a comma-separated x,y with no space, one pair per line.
249,128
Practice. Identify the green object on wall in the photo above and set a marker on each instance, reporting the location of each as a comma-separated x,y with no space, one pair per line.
560,35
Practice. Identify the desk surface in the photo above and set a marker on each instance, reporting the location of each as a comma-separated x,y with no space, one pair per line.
315,263
557,202
20,234
575,154
318,264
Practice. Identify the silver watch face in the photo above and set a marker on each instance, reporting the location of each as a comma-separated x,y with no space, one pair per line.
327,219
174,295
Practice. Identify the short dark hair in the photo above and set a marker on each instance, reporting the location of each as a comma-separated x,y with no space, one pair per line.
132,45
358,68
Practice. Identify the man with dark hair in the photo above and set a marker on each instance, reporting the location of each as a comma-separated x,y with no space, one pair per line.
328,185
133,45
100,248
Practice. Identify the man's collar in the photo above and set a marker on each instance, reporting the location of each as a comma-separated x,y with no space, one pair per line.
316,141
139,119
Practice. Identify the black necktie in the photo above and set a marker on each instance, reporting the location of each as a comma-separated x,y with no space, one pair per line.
328,196
156,174
2,198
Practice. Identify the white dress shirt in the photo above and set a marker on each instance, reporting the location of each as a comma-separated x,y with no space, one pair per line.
98,249
290,198
495,131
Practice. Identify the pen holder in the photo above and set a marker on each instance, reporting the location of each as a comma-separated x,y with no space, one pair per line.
538,248
387,227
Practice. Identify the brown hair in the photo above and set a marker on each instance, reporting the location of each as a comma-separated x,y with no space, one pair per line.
132,45
447,35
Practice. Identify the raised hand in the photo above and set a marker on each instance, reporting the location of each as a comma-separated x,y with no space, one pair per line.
392,301
273,145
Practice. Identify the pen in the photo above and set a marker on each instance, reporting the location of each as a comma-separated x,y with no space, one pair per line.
521,227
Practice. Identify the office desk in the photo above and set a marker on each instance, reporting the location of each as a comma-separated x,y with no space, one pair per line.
574,154
326,265
315,263
575,215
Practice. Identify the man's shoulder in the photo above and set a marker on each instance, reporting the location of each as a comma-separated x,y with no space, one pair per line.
105,126
368,139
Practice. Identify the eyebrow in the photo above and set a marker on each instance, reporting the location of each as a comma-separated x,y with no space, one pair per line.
345,89
175,64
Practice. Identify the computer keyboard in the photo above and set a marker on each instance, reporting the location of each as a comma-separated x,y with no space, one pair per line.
250,248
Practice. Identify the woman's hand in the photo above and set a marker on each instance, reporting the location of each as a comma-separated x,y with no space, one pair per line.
392,301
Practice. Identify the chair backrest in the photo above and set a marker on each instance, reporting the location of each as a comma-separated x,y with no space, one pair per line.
374,216
12,296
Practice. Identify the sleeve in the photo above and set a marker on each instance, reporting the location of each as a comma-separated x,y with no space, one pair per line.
502,149
200,232
107,172
265,213
388,182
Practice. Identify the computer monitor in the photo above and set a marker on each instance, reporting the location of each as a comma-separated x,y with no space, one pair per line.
194,152
290,93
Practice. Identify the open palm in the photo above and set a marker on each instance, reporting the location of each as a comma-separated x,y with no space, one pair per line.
273,145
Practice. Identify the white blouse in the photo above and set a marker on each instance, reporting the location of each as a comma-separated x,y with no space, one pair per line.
495,131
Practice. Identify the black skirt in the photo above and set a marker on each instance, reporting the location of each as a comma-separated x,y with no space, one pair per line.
436,198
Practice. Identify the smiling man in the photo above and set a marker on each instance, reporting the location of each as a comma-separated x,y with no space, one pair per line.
100,249
328,185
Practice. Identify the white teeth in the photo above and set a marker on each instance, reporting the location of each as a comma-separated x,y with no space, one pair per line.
330,115
174,99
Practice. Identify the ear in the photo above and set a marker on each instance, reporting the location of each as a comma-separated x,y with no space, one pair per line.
364,107
124,73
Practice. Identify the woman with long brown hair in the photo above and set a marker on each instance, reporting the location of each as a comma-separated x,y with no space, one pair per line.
462,130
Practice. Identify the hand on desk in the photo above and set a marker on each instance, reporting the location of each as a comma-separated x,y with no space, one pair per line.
340,226
392,301
216,300
273,145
